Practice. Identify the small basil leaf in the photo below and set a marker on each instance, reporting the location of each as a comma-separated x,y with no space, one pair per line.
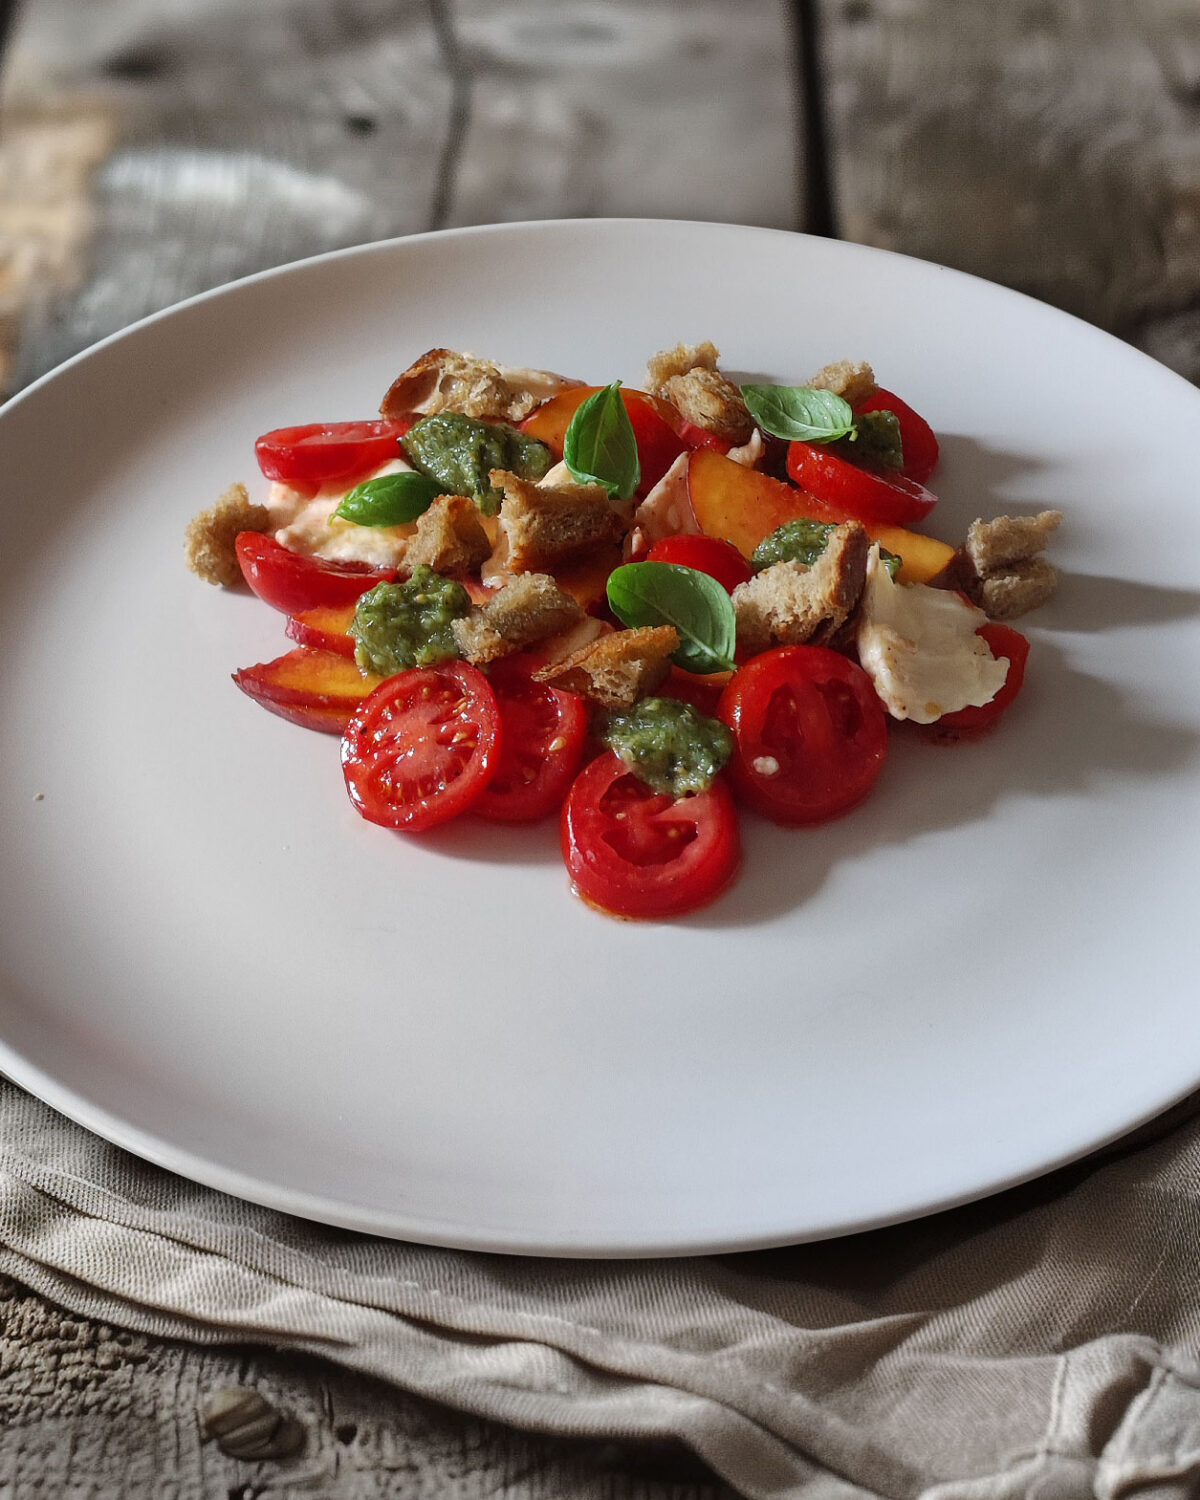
654,593
389,499
799,413
600,447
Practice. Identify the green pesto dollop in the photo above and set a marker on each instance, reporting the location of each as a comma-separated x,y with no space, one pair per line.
672,746
876,444
460,453
804,541
402,625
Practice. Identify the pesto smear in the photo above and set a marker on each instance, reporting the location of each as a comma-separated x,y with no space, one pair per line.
460,453
671,745
876,443
402,625
803,541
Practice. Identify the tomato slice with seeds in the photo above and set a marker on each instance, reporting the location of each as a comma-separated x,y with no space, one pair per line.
422,747
635,852
861,494
542,731
810,731
324,451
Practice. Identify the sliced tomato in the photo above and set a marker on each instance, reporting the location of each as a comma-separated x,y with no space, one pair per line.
917,438
811,734
639,853
542,732
294,583
324,451
861,494
422,747
707,554
700,437
965,723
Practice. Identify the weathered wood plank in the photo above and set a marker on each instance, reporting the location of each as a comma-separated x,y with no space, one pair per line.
1051,145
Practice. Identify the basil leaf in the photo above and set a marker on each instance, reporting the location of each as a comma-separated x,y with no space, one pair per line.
654,593
799,413
389,499
600,447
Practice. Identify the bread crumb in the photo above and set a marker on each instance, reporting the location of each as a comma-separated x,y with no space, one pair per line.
210,538
618,669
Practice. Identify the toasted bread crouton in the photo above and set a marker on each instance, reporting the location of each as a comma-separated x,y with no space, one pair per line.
1000,568
668,363
528,609
449,538
853,381
544,526
210,538
789,604
443,380
618,669
707,399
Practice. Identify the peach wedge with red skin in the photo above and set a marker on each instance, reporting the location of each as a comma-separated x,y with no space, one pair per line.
314,688
743,506
324,628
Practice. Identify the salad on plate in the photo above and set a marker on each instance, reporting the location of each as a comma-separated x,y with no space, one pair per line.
518,597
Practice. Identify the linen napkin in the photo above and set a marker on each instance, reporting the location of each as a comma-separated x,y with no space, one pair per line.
1040,1344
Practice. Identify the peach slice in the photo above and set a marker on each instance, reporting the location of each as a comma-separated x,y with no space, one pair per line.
325,628
315,688
743,506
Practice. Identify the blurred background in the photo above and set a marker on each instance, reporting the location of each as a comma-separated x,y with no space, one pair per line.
153,148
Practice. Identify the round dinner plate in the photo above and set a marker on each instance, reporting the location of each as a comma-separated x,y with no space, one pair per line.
987,969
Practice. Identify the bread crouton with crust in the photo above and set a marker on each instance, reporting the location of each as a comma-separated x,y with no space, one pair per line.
618,669
687,377
210,538
529,608
1000,566
444,380
544,526
791,604
449,538
850,379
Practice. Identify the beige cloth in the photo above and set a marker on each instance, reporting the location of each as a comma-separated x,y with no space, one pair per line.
1041,1345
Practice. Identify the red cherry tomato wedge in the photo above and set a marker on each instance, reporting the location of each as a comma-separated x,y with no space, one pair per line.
707,554
639,853
422,747
294,583
542,733
811,734
700,437
324,451
860,494
965,723
917,438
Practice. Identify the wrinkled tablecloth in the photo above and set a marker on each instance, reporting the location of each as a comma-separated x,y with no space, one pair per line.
1041,1344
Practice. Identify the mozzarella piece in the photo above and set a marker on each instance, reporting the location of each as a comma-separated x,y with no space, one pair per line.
305,523
918,645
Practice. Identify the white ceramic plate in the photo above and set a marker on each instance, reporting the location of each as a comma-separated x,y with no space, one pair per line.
986,970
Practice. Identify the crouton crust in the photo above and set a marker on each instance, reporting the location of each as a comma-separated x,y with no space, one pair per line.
789,604
618,669
707,399
544,526
210,537
850,379
668,363
449,538
1000,567
444,380
529,608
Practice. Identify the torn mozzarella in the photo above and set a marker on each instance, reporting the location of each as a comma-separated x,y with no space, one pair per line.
750,451
666,510
918,645
306,523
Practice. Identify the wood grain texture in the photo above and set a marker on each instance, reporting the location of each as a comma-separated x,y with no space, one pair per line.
1052,145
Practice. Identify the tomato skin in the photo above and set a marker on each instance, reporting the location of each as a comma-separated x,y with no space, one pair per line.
321,452
966,723
293,583
917,438
422,747
700,437
862,494
658,444
543,732
815,717
707,554
633,852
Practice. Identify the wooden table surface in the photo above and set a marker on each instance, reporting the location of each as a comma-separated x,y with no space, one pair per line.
152,148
